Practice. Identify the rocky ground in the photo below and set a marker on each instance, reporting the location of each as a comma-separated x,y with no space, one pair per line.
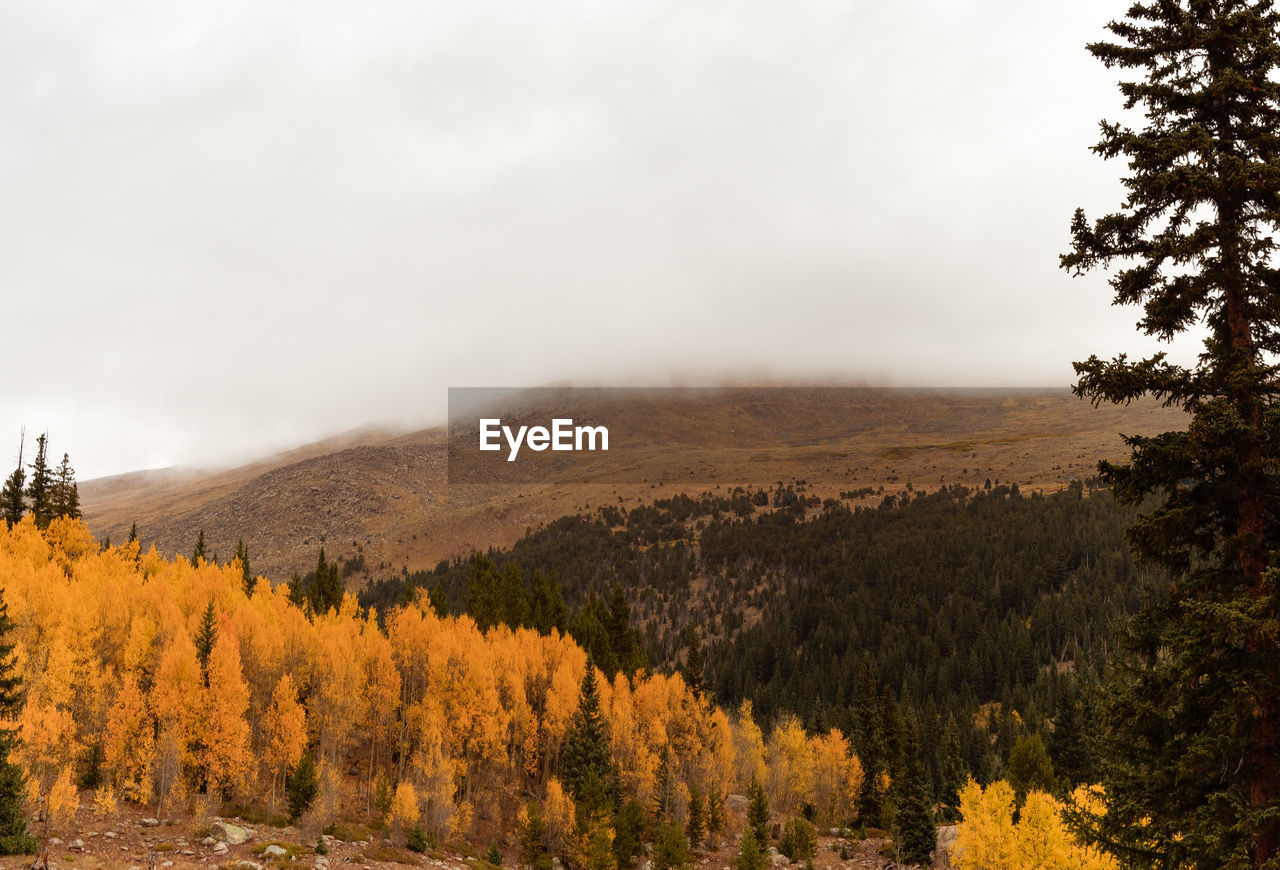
131,840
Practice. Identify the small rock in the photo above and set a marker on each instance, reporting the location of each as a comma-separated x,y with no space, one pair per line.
110,835
208,841
54,841
362,844
274,851
186,852
219,848
150,823
249,865
322,861
76,845
166,863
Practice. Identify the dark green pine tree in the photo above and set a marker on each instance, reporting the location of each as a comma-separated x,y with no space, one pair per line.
914,831
484,593
133,532
695,661
40,488
199,552
547,609
439,600
750,854
326,589
588,628
12,497
531,840
66,494
1030,768
628,840
1069,745
14,839
696,826
246,573
758,814
952,773
715,816
586,766
1191,751
301,785
206,637
664,787
623,637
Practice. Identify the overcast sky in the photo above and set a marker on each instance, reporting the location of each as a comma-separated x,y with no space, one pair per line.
230,227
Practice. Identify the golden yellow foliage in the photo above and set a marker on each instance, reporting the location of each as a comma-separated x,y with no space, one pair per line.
472,720
404,807
1040,840
790,766
224,754
104,801
129,746
558,814
285,732
64,800
837,778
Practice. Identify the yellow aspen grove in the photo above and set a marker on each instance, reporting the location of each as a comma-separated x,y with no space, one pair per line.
473,721
285,732
129,745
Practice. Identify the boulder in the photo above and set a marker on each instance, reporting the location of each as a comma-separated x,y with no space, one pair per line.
232,835
274,851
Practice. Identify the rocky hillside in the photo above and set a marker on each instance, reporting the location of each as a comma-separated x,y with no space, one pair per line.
386,496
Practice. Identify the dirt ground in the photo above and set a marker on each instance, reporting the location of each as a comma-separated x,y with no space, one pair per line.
132,839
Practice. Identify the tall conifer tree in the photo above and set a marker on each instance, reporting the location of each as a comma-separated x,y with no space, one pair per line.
40,489
1192,752
12,498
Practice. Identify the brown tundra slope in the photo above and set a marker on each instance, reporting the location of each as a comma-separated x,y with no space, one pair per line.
387,495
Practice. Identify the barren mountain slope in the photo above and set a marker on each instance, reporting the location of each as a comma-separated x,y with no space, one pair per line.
388,494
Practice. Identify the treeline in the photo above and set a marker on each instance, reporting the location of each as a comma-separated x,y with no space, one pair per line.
980,616
50,492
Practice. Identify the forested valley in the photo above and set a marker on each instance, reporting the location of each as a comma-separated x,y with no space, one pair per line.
871,666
